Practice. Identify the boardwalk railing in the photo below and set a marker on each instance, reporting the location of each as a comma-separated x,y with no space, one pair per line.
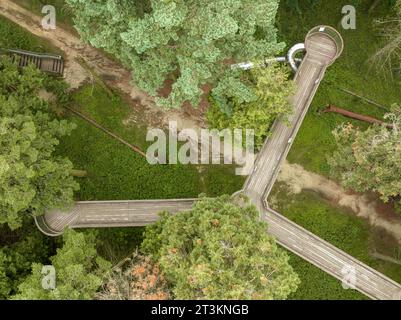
49,63
42,225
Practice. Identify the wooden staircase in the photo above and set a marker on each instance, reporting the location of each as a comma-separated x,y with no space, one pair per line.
49,63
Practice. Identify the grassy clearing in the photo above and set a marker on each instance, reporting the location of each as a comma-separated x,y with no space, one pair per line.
116,172
340,228
352,71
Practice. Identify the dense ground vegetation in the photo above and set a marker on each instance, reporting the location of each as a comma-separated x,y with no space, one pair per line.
342,229
120,170
21,39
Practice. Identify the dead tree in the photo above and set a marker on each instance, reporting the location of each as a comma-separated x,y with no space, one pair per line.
357,116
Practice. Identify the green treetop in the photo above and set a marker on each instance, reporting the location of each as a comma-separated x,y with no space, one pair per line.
79,271
190,41
32,178
371,159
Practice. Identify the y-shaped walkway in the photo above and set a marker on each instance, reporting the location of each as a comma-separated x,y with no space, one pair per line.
323,45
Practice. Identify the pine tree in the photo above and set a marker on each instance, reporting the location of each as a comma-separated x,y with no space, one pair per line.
79,271
32,178
189,41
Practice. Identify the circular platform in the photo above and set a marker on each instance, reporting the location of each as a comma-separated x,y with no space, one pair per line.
324,44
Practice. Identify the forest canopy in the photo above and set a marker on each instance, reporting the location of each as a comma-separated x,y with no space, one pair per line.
190,42
32,178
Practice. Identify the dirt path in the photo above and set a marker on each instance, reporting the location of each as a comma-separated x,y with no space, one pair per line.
363,205
111,72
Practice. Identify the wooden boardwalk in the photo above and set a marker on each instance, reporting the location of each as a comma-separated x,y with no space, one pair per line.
322,51
105,214
52,64
323,45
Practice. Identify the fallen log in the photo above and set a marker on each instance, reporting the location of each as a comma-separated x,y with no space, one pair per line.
357,116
